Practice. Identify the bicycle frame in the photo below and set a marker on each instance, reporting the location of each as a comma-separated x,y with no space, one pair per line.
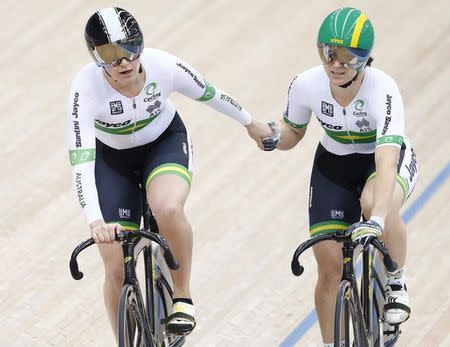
370,280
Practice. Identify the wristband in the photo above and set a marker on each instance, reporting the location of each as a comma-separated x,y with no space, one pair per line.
378,220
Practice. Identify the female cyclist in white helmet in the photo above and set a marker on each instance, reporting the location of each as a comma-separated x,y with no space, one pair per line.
122,127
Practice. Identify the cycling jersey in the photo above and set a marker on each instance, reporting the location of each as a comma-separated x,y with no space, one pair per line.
97,110
373,118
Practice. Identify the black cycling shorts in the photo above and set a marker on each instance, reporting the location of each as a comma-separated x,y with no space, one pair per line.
119,173
337,182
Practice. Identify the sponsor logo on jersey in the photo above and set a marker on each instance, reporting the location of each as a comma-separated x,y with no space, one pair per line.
337,214
230,100
75,105
116,107
311,190
113,125
190,73
76,130
124,213
152,97
359,105
151,88
79,189
388,118
412,166
388,104
327,109
155,106
363,125
330,126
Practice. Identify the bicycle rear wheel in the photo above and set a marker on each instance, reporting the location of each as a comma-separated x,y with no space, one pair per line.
347,329
133,328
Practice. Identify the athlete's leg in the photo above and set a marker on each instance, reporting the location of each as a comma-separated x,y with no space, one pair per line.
329,265
120,202
394,235
333,205
166,195
112,261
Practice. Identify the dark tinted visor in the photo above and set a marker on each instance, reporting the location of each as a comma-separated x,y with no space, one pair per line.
113,53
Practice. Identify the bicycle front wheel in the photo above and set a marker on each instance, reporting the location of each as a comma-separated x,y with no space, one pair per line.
133,328
346,324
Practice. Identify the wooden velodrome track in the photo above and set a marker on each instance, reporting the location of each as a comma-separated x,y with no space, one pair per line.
248,208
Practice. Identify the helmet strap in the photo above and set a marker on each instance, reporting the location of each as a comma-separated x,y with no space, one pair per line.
346,85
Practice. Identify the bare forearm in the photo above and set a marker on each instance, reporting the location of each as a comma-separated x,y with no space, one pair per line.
289,137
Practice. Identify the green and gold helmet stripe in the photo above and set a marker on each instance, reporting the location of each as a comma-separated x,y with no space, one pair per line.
170,168
357,31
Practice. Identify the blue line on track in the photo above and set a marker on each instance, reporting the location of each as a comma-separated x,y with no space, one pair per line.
306,324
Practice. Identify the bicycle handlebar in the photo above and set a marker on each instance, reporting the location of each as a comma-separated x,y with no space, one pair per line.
124,236
298,269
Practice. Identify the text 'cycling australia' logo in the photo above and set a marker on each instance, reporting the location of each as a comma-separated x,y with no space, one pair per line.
359,105
150,90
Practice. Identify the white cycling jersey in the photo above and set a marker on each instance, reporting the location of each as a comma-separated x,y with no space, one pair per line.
96,110
375,116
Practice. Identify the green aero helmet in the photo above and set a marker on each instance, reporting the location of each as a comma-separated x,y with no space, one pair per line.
351,29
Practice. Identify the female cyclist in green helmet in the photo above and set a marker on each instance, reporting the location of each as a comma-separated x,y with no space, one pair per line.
364,166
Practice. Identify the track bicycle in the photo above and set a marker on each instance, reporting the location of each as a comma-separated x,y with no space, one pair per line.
142,323
358,317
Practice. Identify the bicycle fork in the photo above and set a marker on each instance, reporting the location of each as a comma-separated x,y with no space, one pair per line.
348,274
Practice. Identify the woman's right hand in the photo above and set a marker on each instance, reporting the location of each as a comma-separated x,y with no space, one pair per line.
104,233
257,131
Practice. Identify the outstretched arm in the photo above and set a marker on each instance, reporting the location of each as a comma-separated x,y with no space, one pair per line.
290,136
190,83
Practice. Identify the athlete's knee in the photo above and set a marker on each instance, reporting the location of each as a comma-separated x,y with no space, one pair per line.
114,274
366,202
329,272
113,264
329,276
167,209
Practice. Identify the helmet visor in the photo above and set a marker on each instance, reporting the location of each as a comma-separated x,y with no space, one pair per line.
352,58
111,54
